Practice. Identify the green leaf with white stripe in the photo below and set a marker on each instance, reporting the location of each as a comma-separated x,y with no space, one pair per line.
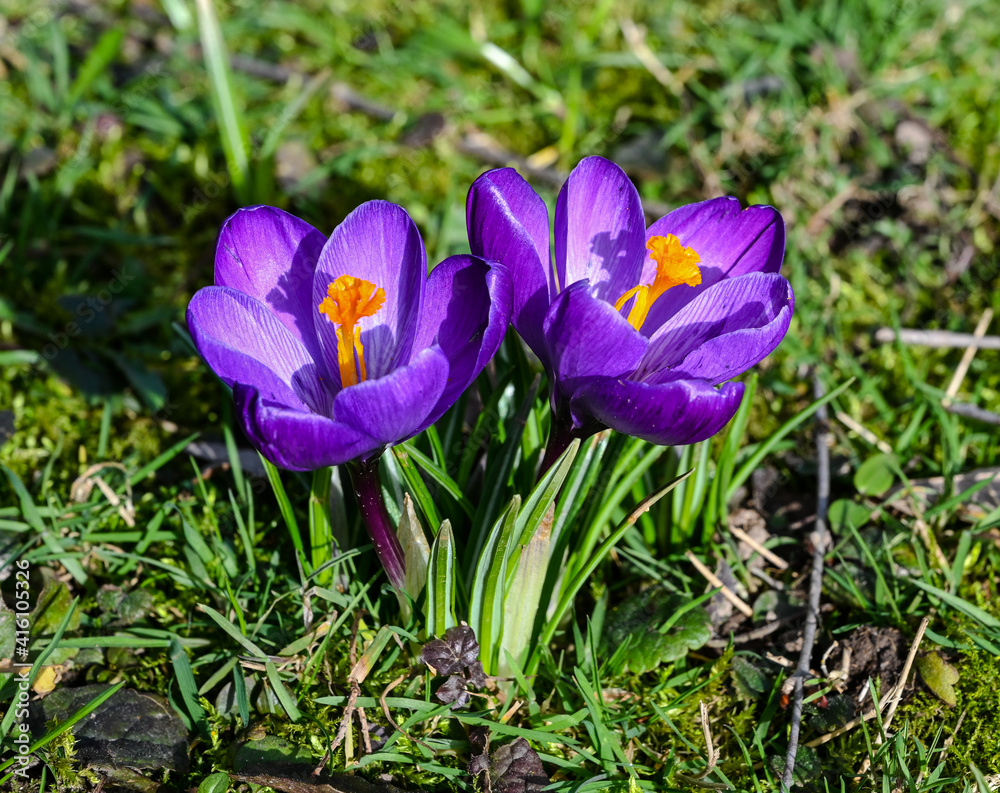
440,603
523,597
489,585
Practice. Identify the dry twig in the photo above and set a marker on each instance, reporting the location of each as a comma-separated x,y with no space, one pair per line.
757,633
820,541
770,555
975,412
706,728
635,37
388,716
713,579
967,356
936,338
863,431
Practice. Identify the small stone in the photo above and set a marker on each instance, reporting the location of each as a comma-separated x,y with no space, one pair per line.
131,729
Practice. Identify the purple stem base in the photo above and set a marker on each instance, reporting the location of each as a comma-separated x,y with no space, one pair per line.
364,477
561,435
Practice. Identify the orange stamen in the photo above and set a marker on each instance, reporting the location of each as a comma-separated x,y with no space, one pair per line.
348,300
675,265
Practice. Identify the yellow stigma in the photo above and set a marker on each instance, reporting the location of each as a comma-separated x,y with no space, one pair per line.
348,300
675,265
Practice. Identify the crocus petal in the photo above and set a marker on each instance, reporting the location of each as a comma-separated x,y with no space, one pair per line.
672,414
467,306
379,243
722,332
270,255
509,223
599,230
586,337
396,407
295,439
244,342
731,242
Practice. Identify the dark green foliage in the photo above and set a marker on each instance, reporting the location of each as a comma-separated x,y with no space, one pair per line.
655,628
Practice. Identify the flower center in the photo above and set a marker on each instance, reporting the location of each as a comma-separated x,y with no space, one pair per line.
348,300
675,265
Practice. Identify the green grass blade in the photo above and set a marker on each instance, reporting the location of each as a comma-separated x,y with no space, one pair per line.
538,502
188,688
233,631
105,431
179,13
287,513
103,54
291,112
954,601
578,580
497,475
613,501
416,482
586,469
232,126
39,662
765,448
233,452
440,476
320,527
281,692
244,534
162,459
29,510
717,506
240,694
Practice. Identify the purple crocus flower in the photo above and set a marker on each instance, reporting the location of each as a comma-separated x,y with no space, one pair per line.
637,327
337,348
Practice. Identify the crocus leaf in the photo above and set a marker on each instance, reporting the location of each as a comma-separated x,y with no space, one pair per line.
416,550
487,596
524,595
439,605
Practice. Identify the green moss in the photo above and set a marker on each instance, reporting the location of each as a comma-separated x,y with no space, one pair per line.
978,738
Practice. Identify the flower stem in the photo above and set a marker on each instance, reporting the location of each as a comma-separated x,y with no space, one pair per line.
364,477
560,437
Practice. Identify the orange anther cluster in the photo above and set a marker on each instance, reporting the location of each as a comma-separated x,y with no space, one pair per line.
675,265
348,300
